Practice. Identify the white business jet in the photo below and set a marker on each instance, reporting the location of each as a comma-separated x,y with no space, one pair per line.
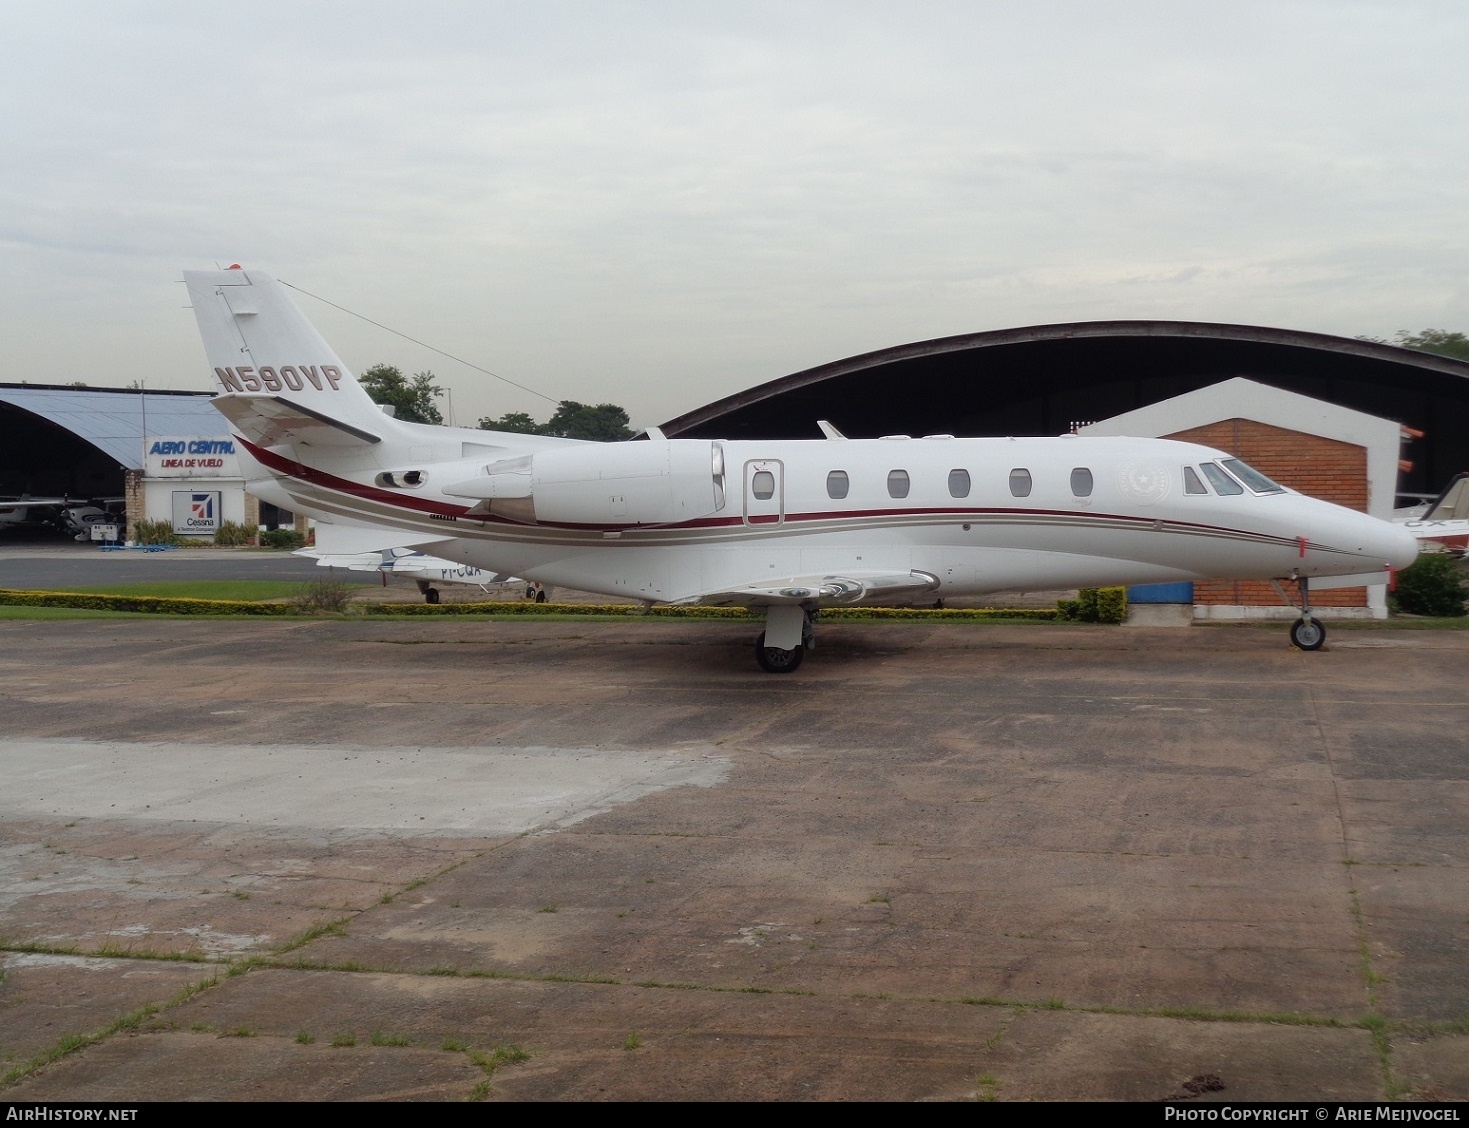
784,526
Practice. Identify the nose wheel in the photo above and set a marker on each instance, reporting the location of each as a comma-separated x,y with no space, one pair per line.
1307,634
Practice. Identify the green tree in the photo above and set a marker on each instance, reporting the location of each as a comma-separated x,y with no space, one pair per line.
602,423
412,399
516,421
1440,342
1434,584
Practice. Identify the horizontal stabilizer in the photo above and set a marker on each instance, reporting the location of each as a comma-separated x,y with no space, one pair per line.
270,421
825,591
1434,530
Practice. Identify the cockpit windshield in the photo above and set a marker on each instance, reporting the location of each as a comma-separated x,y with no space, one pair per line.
1223,484
1251,477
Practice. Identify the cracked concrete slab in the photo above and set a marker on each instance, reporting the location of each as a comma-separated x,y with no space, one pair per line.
1041,862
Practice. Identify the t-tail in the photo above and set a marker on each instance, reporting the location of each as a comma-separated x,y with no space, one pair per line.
279,381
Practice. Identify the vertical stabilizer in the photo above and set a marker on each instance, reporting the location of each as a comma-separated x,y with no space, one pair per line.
265,356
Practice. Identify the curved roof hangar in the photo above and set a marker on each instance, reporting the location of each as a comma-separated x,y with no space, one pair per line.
78,441
1042,379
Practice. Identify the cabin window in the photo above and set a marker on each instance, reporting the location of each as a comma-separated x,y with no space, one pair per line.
1081,482
1222,482
1191,483
762,485
1020,482
897,483
837,484
1252,477
958,483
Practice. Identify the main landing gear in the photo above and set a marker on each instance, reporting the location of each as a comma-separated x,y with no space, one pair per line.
789,633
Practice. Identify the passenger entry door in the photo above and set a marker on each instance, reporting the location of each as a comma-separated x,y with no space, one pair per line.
764,492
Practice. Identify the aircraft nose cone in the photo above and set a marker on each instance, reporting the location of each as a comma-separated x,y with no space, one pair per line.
1402,548
1383,542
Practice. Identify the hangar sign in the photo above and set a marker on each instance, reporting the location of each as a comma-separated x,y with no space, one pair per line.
196,511
191,458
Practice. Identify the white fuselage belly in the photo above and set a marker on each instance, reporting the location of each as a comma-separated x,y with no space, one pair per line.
1137,524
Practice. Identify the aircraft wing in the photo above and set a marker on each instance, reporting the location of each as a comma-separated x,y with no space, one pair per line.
825,590
270,420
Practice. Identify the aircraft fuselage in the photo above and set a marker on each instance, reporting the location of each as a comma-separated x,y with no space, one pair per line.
669,520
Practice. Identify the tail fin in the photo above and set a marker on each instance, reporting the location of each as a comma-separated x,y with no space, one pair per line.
278,380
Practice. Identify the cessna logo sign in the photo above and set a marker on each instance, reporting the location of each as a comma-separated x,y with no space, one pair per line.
288,377
192,458
196,512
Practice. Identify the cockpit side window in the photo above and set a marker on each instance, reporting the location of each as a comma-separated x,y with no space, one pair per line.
1191,482
1223,484
1252,477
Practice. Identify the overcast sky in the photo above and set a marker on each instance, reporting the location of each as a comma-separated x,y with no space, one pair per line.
660,204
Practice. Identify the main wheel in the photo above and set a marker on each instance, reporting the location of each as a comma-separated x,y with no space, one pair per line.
431,595
1307,634
773,660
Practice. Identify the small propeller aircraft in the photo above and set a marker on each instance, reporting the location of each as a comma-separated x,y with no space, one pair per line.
26,509
1443,518
422,569
781,526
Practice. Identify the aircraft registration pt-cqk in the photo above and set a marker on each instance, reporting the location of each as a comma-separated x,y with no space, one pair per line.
782,526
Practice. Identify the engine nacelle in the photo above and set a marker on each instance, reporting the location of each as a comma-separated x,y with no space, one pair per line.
603,485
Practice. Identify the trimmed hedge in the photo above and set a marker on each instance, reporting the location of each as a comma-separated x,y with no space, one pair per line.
158,605
1094,605
282,538
141,604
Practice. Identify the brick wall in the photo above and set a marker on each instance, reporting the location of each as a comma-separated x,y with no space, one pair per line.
1324,468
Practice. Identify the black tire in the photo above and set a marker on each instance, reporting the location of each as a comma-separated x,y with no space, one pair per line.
540,597
1307,634
773,660
430,595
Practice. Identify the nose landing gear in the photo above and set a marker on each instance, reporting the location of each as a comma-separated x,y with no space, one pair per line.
1307,632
